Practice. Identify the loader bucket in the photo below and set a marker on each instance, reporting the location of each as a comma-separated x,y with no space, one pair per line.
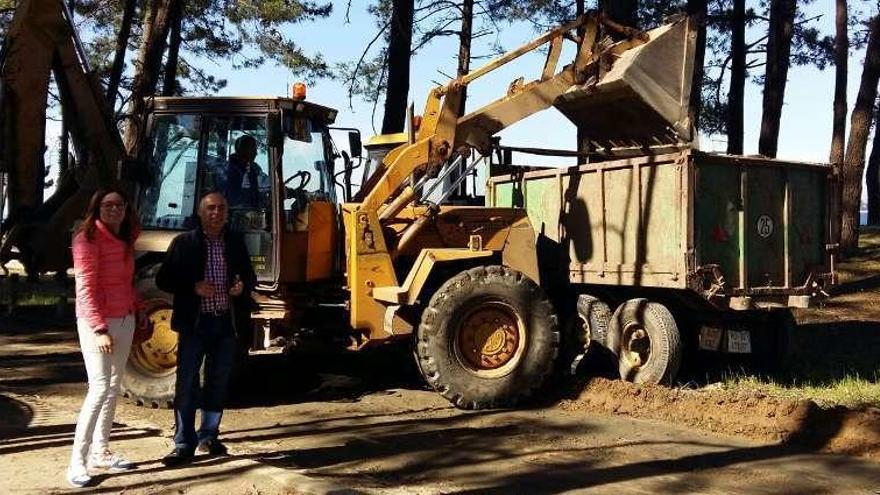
641,97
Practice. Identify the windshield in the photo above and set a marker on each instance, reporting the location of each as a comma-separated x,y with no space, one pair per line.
306,171
169,199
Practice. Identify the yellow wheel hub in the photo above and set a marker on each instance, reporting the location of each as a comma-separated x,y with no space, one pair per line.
490,337
636,345
158,355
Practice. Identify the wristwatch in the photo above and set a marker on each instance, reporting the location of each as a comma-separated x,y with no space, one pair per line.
101,331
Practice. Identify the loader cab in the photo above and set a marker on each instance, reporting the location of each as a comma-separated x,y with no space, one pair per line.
282,196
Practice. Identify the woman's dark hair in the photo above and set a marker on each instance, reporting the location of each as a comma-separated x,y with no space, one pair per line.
130,225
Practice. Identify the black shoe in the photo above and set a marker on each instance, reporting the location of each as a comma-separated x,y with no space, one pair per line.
178,457
212,447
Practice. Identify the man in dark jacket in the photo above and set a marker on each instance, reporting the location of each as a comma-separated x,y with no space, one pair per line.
209,272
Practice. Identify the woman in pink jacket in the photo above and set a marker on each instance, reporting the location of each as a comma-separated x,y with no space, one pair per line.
103,264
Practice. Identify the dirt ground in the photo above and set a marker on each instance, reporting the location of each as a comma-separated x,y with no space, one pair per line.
364,424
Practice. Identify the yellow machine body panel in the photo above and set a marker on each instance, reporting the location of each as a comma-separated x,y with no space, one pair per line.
322,235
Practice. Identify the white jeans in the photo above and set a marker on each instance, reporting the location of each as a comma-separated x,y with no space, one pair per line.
104,371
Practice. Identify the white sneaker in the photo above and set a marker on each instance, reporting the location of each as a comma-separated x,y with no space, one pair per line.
109,460
78,477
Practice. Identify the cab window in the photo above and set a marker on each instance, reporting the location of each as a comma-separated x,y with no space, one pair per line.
168,200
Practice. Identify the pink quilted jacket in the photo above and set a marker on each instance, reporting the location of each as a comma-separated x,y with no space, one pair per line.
104,270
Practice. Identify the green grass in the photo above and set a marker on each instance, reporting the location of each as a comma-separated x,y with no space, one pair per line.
38,299
866,262
849,390
44,292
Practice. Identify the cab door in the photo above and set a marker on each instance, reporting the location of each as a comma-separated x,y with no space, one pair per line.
309,210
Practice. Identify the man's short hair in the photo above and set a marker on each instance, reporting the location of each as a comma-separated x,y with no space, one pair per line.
245,139
210,193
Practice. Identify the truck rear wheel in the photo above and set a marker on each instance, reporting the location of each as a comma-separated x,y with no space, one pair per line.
151,369
488,338
647,342
588,327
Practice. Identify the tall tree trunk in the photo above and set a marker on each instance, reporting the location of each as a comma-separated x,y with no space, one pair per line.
859,125
698,10
169,85
782,14
736,97
147,68
841,58
872,175
399,55
465,37
119,56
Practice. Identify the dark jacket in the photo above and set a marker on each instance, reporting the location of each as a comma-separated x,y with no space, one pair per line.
237,195
184,265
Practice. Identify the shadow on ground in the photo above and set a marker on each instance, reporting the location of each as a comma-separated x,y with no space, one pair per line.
338,377
14,415
491,452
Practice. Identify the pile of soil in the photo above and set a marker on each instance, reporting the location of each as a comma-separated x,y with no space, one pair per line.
798,423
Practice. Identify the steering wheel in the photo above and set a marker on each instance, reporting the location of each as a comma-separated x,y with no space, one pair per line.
304,175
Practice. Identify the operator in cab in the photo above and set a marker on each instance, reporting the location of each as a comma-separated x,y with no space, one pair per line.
244,177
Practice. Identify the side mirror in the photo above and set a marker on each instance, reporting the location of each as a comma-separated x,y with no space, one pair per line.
354,143
274,132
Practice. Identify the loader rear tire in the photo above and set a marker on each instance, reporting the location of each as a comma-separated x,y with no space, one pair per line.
488,338
644,336
151,370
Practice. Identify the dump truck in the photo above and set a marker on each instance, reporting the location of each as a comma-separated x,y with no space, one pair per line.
396,261
693,250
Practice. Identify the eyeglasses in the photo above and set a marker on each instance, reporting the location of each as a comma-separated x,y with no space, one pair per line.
110,205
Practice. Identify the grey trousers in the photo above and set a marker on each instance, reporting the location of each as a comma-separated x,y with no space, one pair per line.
104,372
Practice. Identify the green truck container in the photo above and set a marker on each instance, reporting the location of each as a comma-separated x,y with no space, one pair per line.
689,247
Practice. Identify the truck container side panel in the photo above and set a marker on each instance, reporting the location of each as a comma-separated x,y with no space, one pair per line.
765,226
631,222
542,205
621,210
583,222
503,195
716,216
659,243
806,235
616,223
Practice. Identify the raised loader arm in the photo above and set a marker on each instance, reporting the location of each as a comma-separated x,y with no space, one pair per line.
609,71
42,41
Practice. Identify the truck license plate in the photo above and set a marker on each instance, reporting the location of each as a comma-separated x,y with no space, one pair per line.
739,342
710,338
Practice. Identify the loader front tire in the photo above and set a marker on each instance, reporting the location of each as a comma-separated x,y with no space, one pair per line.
488,338
151,369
